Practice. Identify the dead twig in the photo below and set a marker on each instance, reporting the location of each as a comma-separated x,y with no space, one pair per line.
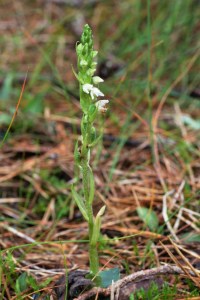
124,287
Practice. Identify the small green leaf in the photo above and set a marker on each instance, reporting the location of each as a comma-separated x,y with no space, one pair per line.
190,237
5,119
149,217
35,104
21,283
80,203
7,87
109,276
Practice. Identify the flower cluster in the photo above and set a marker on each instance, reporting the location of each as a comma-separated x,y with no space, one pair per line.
87,67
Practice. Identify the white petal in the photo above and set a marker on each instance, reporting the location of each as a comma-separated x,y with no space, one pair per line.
97,92
93,91
87,88
101,105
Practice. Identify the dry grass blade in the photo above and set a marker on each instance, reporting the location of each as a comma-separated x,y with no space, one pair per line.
165,215
196,272
19,234
16,110
173,85
188,270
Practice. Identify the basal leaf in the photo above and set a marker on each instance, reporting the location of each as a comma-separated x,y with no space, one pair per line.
109,276
149,217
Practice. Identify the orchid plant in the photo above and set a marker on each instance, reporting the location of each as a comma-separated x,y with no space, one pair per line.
91,107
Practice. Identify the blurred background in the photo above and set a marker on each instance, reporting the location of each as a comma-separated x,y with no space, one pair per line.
141,53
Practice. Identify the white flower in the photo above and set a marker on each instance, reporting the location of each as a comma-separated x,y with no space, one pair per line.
87,88
97,79
101,105
93,91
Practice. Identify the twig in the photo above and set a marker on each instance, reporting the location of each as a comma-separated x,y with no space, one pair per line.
128,284
179,195
19,234
165,215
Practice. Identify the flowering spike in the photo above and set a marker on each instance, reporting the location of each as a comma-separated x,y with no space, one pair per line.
89,93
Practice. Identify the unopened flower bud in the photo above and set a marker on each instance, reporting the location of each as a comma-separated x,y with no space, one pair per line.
83,62
97,79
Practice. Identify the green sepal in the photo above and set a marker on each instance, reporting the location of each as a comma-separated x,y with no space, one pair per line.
83,127
83,63
91,145
94,53
79,203
85,100
77,155
92,112
79,48
91,71
93,135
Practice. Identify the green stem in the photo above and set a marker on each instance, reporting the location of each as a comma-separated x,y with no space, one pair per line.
93,253
94,259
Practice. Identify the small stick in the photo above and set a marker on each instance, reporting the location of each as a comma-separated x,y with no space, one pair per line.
129,281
